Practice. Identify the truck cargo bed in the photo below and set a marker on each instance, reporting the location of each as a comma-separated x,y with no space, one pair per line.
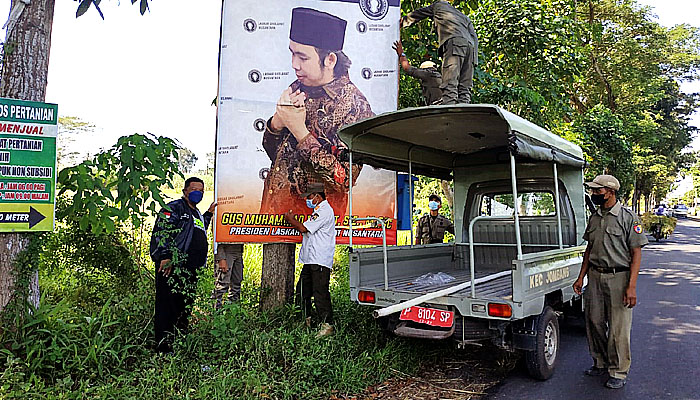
498,288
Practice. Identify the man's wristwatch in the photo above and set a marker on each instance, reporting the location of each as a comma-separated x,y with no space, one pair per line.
403,55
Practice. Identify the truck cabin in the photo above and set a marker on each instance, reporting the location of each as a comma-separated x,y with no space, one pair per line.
493,157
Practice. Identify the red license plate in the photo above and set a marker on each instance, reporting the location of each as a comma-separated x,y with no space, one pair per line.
428,316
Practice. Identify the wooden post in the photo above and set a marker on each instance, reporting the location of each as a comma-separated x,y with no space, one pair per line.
277,282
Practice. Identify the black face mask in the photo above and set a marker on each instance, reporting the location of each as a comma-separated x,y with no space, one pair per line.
598,199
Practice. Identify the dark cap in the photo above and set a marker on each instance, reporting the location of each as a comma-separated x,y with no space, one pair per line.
313,187
317,28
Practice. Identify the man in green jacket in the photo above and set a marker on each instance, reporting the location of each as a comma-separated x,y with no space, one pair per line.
459,48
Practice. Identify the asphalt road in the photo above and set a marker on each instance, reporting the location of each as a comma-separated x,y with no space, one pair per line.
665,334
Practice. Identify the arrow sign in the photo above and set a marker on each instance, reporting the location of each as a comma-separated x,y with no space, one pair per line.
32,217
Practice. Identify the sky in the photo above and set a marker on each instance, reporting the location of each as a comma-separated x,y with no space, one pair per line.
134,74
669,13
158,72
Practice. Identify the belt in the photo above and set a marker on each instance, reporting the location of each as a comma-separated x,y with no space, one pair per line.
610,270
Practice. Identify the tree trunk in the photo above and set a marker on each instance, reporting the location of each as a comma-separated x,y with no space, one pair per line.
448,195
611,103
277,283
635,201
24,76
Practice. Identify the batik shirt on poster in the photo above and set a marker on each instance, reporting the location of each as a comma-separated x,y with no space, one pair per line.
260,171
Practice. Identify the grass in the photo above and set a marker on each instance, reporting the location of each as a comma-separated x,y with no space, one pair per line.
92,337
101,348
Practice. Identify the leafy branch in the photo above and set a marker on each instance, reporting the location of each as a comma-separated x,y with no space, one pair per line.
121,183
85,5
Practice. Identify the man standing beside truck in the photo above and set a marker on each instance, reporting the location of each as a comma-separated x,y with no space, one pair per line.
431,227
612,260
317,250
228,273
178,248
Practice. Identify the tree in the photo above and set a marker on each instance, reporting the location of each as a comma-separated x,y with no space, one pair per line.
24,73
121,183
187,159
70,129
632,68
210,162
531,57
24,76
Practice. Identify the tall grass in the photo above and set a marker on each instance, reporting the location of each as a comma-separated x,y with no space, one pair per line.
92,338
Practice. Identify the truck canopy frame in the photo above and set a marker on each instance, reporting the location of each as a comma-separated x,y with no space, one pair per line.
436,139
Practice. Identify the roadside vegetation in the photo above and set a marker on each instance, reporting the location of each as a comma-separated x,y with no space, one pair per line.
92,336
602,74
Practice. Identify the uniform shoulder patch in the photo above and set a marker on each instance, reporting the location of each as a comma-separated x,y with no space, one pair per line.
637,227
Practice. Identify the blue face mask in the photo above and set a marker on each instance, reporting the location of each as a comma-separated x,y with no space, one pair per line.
195,196
433,205
310,203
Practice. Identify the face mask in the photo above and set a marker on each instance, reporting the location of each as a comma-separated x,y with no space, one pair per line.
433,205
195,196
598,199
310,203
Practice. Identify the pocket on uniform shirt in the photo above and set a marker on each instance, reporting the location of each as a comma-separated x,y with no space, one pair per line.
613,231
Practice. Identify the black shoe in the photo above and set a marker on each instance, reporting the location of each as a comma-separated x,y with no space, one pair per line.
615,383
595,371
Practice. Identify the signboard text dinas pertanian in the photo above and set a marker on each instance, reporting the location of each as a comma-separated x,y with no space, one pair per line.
28,133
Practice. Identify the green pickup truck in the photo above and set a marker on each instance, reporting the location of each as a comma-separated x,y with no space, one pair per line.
519,213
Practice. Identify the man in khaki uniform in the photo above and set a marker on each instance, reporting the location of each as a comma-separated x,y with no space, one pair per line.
427,73
431,227
228,273
458,47
611,261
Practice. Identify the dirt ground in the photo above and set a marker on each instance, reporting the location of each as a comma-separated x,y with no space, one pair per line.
466,374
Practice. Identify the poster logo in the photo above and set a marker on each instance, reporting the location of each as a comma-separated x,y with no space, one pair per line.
361,27
250,25
259,125
374,9
254,76
366,73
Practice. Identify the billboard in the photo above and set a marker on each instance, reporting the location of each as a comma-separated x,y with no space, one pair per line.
27,165
291,74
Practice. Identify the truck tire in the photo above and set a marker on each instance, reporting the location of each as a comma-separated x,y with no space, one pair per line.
541,361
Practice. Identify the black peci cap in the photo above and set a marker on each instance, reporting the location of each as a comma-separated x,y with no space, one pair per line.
317,28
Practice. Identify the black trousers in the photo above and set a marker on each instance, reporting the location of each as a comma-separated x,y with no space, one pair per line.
314,282
174,298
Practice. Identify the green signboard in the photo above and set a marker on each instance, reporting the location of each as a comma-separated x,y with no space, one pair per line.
28,133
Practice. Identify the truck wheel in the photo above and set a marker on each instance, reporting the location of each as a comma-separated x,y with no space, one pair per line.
541,361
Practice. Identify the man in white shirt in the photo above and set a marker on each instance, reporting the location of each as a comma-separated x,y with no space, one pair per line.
317,250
